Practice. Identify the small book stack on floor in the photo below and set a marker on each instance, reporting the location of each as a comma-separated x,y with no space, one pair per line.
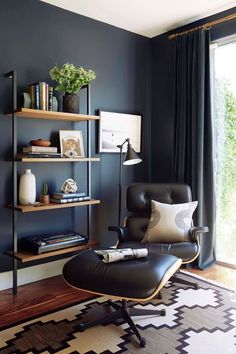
62,198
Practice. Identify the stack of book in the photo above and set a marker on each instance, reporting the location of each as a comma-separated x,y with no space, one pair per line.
40,151
41,96
62,198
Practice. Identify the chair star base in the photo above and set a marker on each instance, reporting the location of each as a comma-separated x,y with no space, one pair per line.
176,279
124,312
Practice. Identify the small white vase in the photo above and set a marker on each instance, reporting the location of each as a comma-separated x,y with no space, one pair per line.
27,188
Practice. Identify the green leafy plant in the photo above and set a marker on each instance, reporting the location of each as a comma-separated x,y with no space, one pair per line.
70,78
45,189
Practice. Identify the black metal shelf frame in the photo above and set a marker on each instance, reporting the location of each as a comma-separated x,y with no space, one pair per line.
13,76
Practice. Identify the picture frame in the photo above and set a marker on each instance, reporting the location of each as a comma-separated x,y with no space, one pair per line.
114,128
71,143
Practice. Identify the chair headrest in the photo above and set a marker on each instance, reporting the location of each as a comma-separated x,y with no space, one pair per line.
139,195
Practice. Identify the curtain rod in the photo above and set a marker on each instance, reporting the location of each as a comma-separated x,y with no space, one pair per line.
205,26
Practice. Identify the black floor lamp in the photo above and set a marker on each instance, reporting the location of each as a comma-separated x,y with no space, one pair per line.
131,158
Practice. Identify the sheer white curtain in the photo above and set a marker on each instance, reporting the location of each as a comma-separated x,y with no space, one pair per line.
223,59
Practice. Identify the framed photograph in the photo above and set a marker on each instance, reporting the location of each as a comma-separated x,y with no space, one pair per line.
71,143
114,128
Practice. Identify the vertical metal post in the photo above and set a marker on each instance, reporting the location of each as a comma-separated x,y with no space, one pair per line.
73,176
13,76
88,163
120,187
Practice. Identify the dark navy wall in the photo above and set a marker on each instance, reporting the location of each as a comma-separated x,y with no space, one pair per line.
33,37
162,120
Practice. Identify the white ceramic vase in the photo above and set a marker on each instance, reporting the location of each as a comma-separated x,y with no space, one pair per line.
27,188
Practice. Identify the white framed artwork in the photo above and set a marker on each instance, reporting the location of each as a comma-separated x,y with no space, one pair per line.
114,128
71,143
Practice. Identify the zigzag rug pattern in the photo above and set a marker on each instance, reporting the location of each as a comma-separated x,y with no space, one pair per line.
196,321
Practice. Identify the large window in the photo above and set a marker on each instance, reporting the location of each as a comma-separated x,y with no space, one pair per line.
224,122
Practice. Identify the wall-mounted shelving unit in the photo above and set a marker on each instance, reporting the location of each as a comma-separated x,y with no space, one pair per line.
23,256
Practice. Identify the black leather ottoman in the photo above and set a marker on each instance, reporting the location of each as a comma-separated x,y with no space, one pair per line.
138,280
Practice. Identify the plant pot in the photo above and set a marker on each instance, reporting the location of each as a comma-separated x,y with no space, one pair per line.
44,198
71,103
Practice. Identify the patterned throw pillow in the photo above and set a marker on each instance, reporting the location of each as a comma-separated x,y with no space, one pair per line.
170,222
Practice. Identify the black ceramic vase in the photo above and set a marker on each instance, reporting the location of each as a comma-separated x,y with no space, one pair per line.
71,103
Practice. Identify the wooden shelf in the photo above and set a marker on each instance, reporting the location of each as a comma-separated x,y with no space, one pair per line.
51,115
32,208
24,256
57,159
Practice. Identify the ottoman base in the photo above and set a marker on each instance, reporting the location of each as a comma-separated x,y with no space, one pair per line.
124,312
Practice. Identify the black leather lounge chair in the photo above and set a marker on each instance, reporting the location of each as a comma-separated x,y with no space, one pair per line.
138,202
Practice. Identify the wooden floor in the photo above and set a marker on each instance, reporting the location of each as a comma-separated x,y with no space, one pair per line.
53,293
218,273
37,298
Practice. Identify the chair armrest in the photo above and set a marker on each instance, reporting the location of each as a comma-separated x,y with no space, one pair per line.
194,232
122,232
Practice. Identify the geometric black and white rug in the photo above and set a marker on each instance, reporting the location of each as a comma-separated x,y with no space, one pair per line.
197,321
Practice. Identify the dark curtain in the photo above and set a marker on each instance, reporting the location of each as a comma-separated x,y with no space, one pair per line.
193,155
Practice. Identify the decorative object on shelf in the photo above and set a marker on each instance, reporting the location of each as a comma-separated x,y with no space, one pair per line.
25,100
27,188
54,104
40,142
71,79
71,143
131,158
44,196
69,186
115,127
70,103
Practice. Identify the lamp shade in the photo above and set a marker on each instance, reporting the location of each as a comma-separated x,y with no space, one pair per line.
131,157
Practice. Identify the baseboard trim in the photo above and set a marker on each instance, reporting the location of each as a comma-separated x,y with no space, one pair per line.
31,274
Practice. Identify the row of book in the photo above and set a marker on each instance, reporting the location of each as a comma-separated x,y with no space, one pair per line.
41,95
62,198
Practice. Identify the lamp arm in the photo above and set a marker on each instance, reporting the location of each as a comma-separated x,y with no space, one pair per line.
127,140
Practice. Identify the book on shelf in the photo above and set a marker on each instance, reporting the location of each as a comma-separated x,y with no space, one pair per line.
36,96
40,154
41,96
61,195
39,149
69,200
